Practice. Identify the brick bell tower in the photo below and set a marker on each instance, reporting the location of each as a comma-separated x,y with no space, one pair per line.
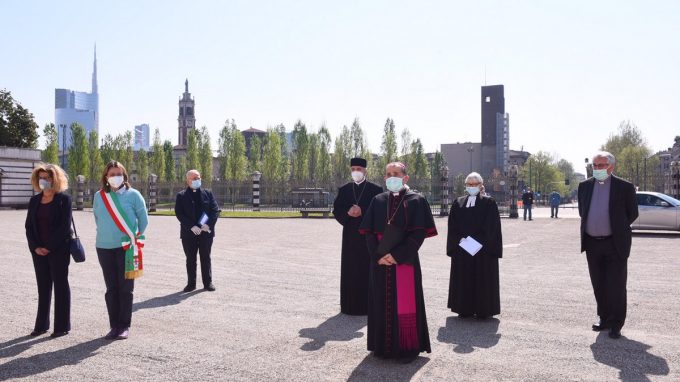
186,119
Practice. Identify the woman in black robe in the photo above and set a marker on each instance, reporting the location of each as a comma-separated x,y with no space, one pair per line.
474,285
401,220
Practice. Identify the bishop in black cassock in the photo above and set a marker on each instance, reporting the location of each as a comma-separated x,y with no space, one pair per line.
397,325
352,201
474,285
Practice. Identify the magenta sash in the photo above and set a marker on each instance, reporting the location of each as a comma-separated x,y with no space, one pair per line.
406,306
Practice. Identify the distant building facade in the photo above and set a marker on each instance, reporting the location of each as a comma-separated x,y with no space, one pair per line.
142,138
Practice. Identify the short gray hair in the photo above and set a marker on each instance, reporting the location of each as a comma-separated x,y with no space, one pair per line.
605,154
475,176
400,165
192,172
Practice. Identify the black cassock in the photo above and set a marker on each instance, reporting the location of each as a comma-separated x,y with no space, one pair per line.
354,258
386,335
474,286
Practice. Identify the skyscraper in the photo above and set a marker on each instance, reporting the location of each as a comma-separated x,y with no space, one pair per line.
186,119
142,138
495,130
73,106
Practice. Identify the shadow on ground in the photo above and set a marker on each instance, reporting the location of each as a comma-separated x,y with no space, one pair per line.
340,327
19,345
470,333
167,300
630,357
378,369
40,363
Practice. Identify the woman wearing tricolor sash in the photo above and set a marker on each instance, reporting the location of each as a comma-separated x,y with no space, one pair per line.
120,215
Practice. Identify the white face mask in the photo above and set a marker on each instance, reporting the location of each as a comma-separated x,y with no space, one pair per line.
357,176
44,184
115,181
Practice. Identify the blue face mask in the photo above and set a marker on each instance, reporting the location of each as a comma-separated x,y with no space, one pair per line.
394,184
473,191
600,175
196,184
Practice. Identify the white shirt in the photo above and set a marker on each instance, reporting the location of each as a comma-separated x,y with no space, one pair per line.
471,201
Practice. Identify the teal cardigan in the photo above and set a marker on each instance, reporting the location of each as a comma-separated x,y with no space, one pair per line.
134,207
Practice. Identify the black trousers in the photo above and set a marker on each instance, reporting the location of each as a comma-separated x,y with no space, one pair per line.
52,270
201,244
118,289
527,207
554,210
608,274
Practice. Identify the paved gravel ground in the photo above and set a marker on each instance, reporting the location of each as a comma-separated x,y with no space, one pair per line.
275,316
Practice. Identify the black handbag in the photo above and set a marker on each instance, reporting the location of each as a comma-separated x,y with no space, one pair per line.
77,250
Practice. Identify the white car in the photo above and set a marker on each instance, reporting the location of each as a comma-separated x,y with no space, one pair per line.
657,212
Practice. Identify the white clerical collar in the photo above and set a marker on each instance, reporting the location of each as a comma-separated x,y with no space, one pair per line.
405,188
471,201
359,183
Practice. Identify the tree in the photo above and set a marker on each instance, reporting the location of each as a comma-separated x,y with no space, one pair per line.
205,155
388,148
78,159
633,156
341,159
285,165
418,166
272,157
169,162
323,170
108,149
255,154
142,165
232,152
629,135
158,157
17,126
541,173
96,162
357,140
51,152
192,150
313,156
406,146
300,152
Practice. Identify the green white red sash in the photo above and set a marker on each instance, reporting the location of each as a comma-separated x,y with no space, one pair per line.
132,242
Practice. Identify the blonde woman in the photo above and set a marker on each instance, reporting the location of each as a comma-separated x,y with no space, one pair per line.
48,231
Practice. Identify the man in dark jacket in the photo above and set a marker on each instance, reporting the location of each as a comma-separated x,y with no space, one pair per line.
607,207
527,202
197,212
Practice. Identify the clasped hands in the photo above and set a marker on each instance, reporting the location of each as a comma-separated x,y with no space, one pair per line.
197,230
387,260
40,251
354,211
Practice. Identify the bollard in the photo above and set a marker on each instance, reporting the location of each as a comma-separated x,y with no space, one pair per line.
153,192
80,188
444,210
256,190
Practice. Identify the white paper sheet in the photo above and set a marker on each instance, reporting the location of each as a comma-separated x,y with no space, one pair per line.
470,245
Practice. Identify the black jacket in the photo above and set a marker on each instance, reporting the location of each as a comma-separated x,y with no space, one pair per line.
186,213
60,223
623,211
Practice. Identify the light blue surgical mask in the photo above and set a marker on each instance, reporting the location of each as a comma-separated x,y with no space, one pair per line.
600,174
196,184
473,191
394,184
44,184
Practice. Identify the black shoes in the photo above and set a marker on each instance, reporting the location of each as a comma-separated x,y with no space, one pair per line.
599,326
189,288
112,334
615,332
210,287
58,334
123,334
36,333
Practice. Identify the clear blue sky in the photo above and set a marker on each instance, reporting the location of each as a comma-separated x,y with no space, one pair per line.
572,70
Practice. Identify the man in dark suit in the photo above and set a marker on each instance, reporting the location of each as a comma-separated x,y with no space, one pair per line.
607,206
197,212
